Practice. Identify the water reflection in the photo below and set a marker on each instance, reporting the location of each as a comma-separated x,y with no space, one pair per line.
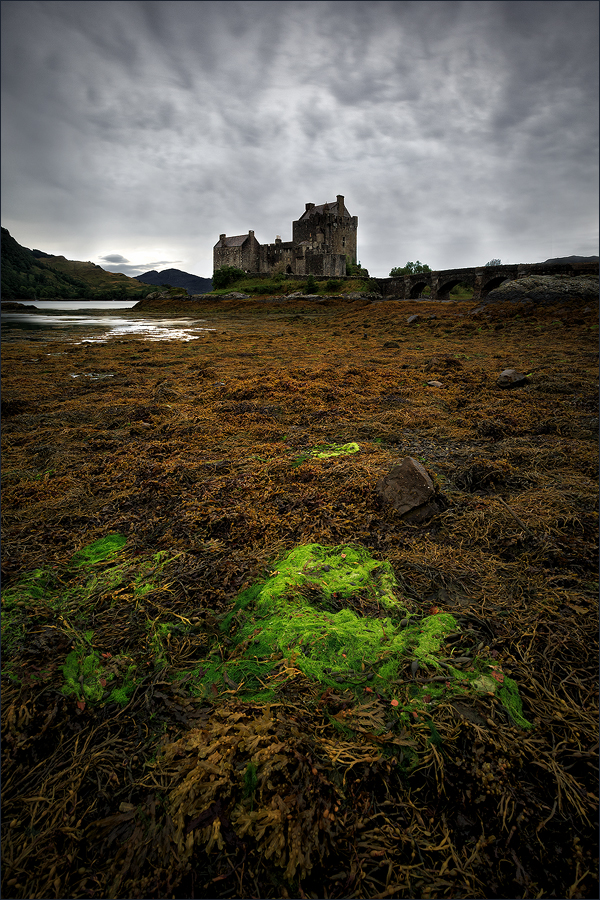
100,329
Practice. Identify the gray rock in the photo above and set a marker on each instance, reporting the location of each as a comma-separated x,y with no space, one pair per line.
235,295
435,384
510,378
546,290
408,489
412,319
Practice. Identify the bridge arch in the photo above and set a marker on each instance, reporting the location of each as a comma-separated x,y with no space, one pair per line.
417,287
445,285
492,283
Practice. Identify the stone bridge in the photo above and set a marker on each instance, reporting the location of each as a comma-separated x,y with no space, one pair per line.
482,279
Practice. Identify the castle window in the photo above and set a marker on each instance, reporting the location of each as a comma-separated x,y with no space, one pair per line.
343,242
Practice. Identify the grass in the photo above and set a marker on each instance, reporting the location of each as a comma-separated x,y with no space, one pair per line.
282,284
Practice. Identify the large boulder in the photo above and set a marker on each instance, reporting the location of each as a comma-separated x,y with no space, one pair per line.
409,490
510,378
546,290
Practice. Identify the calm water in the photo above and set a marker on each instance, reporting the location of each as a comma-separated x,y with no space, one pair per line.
86,305
80,322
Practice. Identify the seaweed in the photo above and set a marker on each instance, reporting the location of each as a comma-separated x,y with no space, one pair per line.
229,670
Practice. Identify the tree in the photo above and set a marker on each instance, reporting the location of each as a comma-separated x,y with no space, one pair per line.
355,269
494,262
225,276
411,268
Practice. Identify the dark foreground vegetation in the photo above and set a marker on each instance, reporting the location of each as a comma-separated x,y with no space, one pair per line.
161,739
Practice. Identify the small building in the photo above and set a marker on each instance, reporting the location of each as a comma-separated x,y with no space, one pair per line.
323,241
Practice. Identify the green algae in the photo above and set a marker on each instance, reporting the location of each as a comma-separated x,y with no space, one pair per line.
336,450
87,676
67,595
327,451
99,550
336,616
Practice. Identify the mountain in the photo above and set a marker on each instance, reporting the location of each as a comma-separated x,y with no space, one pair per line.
35,275
194,284
562,260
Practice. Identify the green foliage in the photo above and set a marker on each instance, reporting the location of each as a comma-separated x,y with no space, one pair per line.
226,275
333,285
355,269
494,262
311,285
462,292
373,286
411,268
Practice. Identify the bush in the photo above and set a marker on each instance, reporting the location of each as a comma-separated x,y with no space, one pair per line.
355,269
311,285
411,268
226,275
333,285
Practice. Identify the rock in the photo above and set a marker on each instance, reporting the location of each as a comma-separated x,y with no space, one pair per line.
510,378
443,362
409,490
435,384
391,344
412,319
235,295
546,290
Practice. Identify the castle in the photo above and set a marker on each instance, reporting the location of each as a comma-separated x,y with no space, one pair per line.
323,240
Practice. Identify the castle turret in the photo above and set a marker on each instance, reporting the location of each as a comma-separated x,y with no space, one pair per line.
340,204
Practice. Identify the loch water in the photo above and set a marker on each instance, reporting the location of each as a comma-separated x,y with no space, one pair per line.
95,322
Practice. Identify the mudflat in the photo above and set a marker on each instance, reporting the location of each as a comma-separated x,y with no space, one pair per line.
231,668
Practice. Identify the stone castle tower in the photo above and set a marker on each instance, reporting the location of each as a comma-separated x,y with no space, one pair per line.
323,240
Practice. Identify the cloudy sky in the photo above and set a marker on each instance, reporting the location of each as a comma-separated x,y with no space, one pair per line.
134,133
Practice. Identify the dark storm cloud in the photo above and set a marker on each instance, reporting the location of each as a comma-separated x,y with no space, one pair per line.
457,131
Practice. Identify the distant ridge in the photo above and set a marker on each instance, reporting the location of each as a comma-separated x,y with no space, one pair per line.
35,275
563,260
194,284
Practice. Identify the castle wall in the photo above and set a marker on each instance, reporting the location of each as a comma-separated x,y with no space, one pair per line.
277,257
227,256
243,254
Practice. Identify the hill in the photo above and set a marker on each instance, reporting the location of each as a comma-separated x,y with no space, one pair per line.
194,284
563,260
35,275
